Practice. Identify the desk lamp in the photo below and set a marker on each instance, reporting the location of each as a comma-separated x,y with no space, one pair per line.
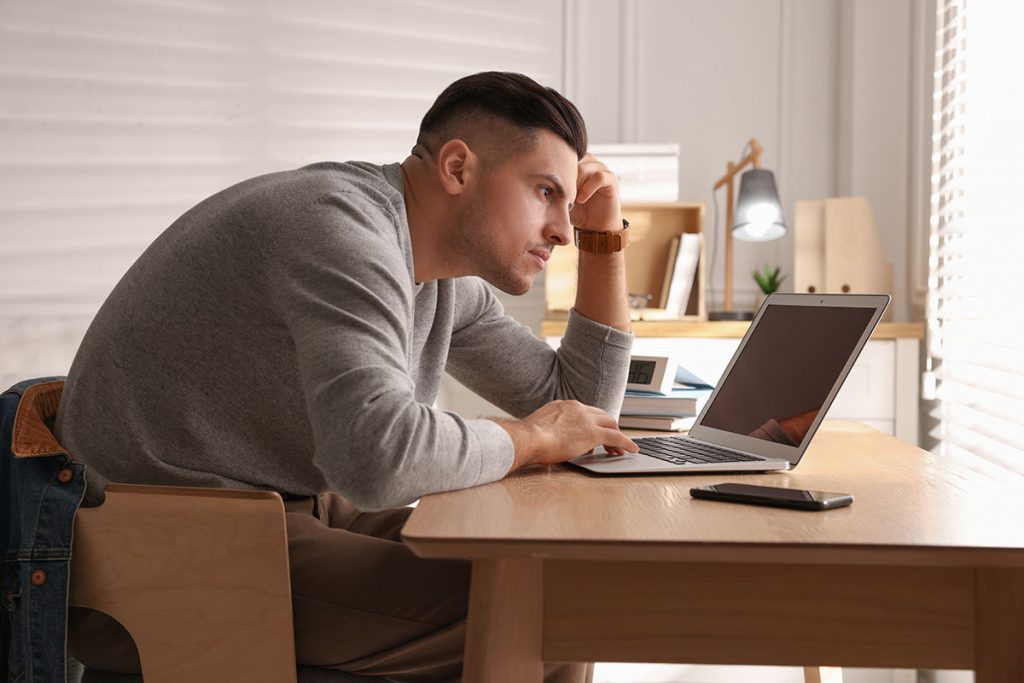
758,217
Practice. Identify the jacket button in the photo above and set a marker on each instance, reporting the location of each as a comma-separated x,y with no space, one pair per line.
38,577
65,475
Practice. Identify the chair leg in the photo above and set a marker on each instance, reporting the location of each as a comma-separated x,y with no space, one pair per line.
823,674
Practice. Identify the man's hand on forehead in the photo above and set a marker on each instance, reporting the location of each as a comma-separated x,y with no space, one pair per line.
597,206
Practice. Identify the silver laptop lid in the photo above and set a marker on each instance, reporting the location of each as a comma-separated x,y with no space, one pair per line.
787,371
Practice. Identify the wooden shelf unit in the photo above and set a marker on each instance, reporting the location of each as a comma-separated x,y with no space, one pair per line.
652,228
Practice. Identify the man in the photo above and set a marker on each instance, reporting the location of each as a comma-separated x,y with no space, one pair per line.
289,333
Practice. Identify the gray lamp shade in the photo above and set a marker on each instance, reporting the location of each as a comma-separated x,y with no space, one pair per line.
758,210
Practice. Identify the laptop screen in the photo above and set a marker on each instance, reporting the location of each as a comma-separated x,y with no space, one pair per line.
787,369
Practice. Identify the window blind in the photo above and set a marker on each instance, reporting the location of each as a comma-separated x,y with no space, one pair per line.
116,116
975,357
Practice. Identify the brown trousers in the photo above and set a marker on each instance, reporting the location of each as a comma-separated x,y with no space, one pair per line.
362,602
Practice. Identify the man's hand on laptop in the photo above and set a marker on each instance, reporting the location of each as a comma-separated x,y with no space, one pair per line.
562,430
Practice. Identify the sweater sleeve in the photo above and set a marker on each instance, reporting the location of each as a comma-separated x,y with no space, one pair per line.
340,282
507,364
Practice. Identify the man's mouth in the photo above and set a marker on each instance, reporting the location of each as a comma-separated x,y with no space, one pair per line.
542,254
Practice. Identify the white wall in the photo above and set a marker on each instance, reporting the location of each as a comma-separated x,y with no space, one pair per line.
837,92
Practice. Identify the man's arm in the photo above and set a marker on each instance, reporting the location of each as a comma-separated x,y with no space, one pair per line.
601,293
590,367
571,427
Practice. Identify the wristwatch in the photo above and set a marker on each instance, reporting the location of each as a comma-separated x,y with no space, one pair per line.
607,242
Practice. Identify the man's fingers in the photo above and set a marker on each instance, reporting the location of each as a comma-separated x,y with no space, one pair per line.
610,434
617,439
592,183
590,164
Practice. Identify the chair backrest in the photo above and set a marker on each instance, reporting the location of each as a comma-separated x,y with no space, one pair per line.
199,578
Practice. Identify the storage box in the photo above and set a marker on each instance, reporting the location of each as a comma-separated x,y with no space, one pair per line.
838,250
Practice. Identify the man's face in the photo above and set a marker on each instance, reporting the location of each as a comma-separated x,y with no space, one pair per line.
516,213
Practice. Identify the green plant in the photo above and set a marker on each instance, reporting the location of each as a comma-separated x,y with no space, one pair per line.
769,279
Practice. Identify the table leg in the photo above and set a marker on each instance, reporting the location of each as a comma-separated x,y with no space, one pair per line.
999,630
503,635
823,674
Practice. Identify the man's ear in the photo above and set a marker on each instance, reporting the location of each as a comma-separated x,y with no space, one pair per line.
457,166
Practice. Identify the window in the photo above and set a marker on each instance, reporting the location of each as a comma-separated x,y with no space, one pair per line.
116,116
975,332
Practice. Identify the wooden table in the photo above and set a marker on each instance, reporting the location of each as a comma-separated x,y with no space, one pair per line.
924,570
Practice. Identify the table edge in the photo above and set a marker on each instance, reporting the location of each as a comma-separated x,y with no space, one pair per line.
696,552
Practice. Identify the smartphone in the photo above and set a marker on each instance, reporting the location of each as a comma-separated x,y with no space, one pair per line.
772,496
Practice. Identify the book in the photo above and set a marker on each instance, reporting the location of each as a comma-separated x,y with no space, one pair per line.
684,271
680,403
658,423
670,267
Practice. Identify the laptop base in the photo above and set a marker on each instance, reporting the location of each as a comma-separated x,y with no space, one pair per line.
637,463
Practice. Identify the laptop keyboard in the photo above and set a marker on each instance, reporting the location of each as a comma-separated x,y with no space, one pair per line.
680,450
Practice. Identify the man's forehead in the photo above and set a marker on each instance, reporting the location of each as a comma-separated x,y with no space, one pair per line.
558,165
553,150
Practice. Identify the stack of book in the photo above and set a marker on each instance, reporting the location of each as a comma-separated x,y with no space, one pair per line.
674,412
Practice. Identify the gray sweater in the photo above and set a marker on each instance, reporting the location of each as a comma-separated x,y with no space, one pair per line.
274,337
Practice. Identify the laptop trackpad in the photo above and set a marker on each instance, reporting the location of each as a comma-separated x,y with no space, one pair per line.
600,455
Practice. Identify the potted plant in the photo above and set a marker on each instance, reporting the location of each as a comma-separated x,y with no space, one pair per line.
768,280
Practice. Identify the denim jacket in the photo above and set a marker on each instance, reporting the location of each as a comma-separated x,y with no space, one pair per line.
40,491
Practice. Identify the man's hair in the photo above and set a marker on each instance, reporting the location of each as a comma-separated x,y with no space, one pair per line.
472,105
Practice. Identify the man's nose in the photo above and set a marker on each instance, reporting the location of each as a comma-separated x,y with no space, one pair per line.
559,231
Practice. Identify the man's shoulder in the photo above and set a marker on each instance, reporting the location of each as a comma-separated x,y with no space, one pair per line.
380,184
359,182
330,201
364,188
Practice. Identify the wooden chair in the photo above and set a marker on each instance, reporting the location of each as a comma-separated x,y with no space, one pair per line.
199,578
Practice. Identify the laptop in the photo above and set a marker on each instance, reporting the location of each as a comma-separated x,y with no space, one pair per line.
772,396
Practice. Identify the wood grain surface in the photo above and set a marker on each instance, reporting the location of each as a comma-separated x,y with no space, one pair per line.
924,570
910,507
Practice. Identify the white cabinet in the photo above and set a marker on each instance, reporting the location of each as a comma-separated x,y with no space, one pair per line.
882,389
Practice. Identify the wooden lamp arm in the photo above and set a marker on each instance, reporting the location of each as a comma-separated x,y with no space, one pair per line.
753,157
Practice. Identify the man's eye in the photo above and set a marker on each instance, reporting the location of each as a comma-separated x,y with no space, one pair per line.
546,191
